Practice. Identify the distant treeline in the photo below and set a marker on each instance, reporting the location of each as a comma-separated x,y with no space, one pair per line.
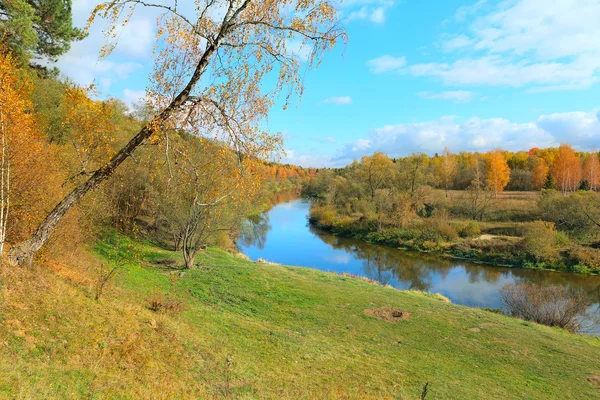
560,168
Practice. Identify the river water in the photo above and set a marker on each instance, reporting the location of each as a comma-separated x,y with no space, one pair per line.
283,235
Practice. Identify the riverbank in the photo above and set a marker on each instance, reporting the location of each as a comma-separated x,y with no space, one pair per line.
463,240
232,328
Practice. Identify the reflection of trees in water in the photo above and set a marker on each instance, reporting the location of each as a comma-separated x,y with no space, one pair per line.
386,263
254,230
416,269
589,284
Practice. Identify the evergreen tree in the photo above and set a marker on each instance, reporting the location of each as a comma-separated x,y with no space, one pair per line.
36,29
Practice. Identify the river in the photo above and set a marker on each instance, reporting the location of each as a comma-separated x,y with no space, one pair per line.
284,236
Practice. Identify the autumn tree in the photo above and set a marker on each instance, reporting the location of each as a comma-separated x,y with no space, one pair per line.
591,171
236,43
203,193
14,119
479,196
414,172
540,173
498,172
566,169
446,169
376,172
27,175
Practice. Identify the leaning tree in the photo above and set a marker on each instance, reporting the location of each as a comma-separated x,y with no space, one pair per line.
216,74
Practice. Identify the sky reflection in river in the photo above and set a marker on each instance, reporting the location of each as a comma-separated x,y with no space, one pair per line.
284,236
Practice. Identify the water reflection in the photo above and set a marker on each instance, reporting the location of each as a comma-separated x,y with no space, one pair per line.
254,231
287,238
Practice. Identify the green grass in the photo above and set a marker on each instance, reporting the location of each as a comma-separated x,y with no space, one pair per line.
247,330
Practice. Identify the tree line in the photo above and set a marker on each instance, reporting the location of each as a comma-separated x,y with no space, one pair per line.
560,168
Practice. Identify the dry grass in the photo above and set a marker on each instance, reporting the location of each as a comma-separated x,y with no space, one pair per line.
53,325
508,206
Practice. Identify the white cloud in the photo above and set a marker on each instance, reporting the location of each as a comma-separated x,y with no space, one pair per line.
306,160
296,48
536,44
84,69
498,71
581,129
361,13
465,12
341,100
378,15
456,42
371,10
137,38
386,63
130,97
457,96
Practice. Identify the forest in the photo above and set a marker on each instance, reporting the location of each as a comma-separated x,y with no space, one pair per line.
536,208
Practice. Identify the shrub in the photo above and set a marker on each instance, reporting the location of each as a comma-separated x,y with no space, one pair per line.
436,230
571,213
584,256
159,303
547,305
429,245
540,241
322,215
447,232
469,229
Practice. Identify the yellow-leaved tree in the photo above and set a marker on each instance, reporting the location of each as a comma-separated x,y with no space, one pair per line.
539,174
446,169
566,169
209,75
498,171
27,181
591,171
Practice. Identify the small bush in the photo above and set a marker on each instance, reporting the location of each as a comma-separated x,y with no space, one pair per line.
547,305
469,229
448,232
540,241
584,256
429,245
164,304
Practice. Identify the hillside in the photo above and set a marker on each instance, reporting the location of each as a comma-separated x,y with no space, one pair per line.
237,329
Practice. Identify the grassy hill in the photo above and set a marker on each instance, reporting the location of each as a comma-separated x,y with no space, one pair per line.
236,329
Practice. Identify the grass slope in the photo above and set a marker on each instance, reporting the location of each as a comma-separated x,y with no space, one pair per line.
237,329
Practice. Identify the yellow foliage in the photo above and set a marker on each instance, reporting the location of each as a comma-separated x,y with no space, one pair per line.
498,172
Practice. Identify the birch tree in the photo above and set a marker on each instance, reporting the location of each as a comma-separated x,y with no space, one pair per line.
498,172
591,171
20,146
209,77
446,169
566,170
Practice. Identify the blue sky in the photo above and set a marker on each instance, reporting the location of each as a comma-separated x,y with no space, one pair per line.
415,76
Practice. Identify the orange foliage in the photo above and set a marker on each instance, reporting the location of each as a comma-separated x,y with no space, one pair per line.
281,172
498,172
540,174
33,178
566,169
591,171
